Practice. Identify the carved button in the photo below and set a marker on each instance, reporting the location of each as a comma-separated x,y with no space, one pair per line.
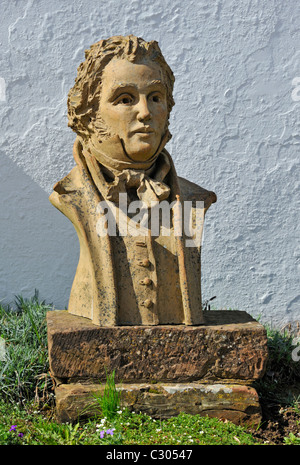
147,303
146,281
145,263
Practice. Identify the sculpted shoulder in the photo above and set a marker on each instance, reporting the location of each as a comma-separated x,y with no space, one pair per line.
68,186
192,191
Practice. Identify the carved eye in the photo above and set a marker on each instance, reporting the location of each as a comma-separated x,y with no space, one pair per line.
156,98
124,100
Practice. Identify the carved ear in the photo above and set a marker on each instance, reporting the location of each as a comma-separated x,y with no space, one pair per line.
77,148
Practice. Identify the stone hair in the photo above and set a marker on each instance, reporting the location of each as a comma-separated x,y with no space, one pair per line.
84,97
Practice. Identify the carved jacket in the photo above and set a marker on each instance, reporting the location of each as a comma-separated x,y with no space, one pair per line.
130,280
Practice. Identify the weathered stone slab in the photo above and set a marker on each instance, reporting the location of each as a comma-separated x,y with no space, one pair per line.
237,403
230,346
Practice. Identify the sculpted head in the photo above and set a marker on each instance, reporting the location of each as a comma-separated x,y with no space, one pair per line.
123,88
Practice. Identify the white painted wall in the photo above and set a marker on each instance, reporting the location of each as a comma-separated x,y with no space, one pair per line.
235,130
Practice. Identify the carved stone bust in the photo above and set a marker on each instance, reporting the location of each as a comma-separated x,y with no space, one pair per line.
119,108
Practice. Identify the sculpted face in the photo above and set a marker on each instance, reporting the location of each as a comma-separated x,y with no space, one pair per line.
133,106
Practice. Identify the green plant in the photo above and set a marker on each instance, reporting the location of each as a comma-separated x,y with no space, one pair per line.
24,371
111,400
292,440
107,403
281,370
71,434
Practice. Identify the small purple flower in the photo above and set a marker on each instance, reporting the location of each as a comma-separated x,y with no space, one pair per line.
13,428
20,435
110,431
102,433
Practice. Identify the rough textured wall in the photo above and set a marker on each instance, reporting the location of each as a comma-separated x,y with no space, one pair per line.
235,130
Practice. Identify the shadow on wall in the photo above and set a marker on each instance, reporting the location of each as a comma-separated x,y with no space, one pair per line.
38,247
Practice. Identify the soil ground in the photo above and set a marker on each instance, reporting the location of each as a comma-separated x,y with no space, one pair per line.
278,421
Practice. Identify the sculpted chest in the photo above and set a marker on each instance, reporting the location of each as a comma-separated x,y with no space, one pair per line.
147,276
130,279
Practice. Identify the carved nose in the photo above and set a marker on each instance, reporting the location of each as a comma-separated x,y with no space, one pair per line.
143,110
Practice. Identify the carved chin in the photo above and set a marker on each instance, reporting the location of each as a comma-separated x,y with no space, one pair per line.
140,151
143,153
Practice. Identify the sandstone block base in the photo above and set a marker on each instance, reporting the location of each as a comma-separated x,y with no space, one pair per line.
231,345
160,370
237,403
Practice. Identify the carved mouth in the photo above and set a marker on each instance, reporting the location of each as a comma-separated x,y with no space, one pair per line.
144,130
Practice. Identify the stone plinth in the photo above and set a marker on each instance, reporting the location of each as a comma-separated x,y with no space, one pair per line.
234,402
161,370
231,345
